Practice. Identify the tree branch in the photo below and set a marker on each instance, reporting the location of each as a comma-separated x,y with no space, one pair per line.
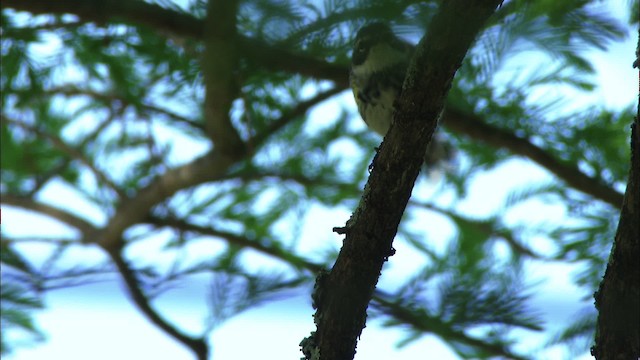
197,345
273,58
299,110
342,296
208,167
183,25
73,90
618,297
475,128
219,66
402,313
64,216
69,150
265,246
429,324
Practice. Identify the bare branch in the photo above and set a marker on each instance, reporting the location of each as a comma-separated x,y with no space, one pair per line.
209,167
38,239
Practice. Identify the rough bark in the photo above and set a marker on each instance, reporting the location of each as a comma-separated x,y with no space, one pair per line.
618,298
342,295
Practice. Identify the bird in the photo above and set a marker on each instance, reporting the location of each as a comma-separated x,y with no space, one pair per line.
379,63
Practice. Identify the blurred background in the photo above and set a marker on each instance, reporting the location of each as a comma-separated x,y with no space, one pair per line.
122,239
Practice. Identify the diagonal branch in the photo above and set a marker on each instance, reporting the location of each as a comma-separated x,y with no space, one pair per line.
265,246
197,345
618,296
429,324
84,226
475,128
341,297
299,110
208,167
380,299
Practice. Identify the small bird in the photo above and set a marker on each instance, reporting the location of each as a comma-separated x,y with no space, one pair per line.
378,67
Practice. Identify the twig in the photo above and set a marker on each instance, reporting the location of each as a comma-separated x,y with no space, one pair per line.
428,324
73,90
299,110
261,245
484,228
71,151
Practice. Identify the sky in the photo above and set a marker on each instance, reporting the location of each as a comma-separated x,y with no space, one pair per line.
98,321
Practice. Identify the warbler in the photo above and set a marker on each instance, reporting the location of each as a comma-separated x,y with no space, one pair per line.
379,64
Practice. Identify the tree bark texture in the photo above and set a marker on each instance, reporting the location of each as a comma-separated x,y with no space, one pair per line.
618,298
342,295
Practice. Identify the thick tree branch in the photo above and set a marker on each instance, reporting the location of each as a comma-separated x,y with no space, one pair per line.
475,128
219,65
342,296
618,297
197,345
102,11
